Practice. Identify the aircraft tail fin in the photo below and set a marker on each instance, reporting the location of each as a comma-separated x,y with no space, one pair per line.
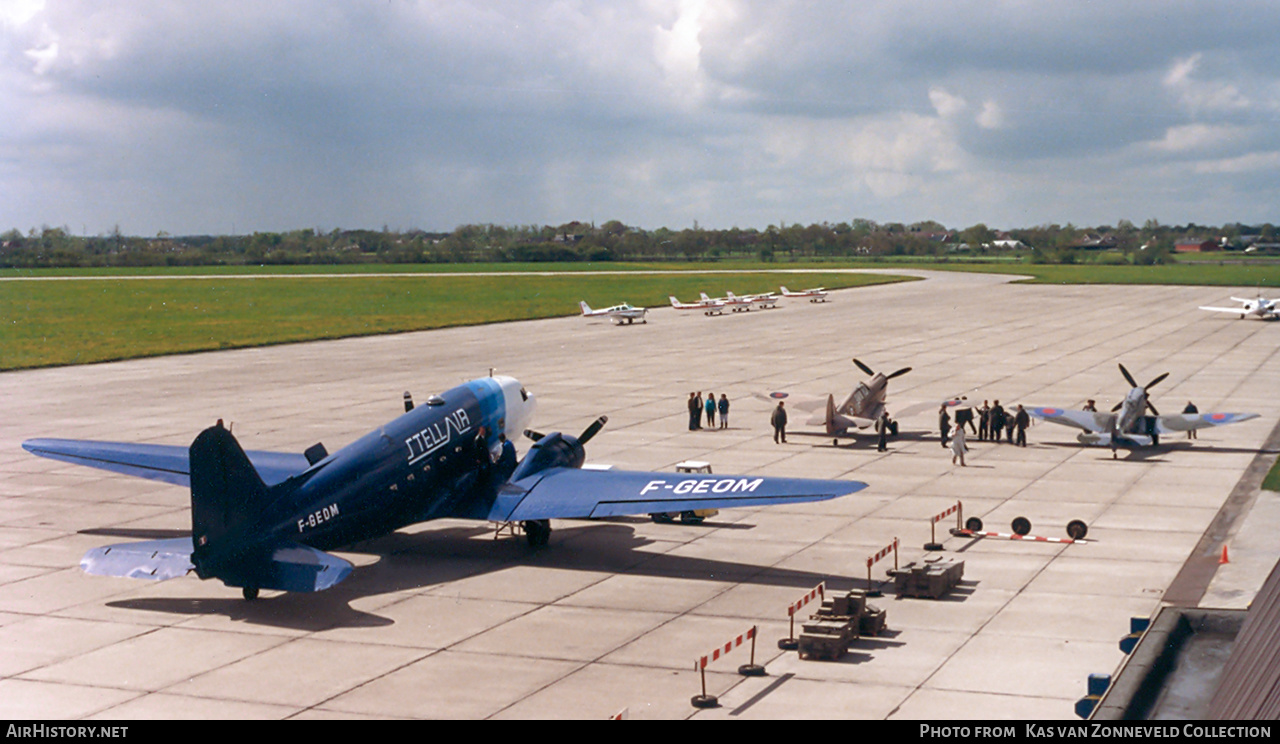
586,309
784,290
226,495
226,491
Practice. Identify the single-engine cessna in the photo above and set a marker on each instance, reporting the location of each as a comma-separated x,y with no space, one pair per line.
1127,424
1259,307
817,294
731,301
619,314
767,301
707,305
262,520
861,409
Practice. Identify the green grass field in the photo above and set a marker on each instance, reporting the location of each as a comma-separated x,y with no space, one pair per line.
100,315
81,321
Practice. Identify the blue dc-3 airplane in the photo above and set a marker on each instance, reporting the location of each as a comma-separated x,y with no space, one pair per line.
262,520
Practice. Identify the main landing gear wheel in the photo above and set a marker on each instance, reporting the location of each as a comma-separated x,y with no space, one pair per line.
537,532
250,593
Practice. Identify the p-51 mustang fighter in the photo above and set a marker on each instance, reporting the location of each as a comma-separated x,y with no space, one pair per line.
861,409
1127,424
619,314
262,520
1259,307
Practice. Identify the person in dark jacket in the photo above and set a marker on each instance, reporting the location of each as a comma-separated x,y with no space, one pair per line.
997,421
984,421
724,411
1191,408
944,423
695,411
779,421
1021,421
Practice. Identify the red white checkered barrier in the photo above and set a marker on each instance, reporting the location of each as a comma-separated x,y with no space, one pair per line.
1013,536
886,550
725,649
818,591
957,509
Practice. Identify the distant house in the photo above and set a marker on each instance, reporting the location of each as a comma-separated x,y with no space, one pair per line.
1193,246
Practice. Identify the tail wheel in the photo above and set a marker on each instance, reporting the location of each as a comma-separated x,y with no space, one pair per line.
250,593
537,532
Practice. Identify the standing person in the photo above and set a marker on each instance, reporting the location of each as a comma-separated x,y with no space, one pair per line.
944,423
1010,423
1022,421
779,421
984,421
724,411
695,411
711,410
883,426
964,414
1191,408
997,421
1089,406
957,445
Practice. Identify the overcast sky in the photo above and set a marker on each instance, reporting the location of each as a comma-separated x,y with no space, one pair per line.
229,116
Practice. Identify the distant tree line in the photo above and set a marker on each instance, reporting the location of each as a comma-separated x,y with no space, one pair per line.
614,241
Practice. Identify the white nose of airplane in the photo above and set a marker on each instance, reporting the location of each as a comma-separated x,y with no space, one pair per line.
520,405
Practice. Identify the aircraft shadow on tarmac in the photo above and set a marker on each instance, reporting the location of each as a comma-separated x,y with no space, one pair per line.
1155,453
434,557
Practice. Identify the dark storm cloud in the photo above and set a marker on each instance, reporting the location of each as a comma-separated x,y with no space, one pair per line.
194,117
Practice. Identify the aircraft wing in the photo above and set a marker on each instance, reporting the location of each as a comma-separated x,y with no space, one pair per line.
156,560
569,493
1087,420
1236,310
798,402
1188,421
160,462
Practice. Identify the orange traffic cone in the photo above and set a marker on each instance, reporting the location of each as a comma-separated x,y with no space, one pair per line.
1224,558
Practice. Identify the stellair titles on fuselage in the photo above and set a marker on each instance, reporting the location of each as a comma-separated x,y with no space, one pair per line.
437,434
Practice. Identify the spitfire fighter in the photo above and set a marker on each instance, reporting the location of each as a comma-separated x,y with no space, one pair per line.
860,410
263,520
619,314
1258,307
1127,424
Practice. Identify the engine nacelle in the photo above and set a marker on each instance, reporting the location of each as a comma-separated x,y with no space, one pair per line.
551,451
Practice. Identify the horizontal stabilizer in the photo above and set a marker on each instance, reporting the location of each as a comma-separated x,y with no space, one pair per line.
156,560
289,567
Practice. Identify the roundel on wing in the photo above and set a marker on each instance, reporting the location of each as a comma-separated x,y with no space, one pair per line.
1218,417
777,396
1051,411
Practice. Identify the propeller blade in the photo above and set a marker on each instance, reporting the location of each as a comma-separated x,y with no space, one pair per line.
1152,407
533,435
863,367
1153,382
1116,407
899,373
593,429
1128,377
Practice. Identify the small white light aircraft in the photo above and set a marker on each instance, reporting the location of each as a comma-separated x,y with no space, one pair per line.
618,313
707,305
767,301
817,294
861,409
1127,424
1259,307
734,303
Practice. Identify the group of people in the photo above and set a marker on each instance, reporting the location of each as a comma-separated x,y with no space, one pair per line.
993,421
698,407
